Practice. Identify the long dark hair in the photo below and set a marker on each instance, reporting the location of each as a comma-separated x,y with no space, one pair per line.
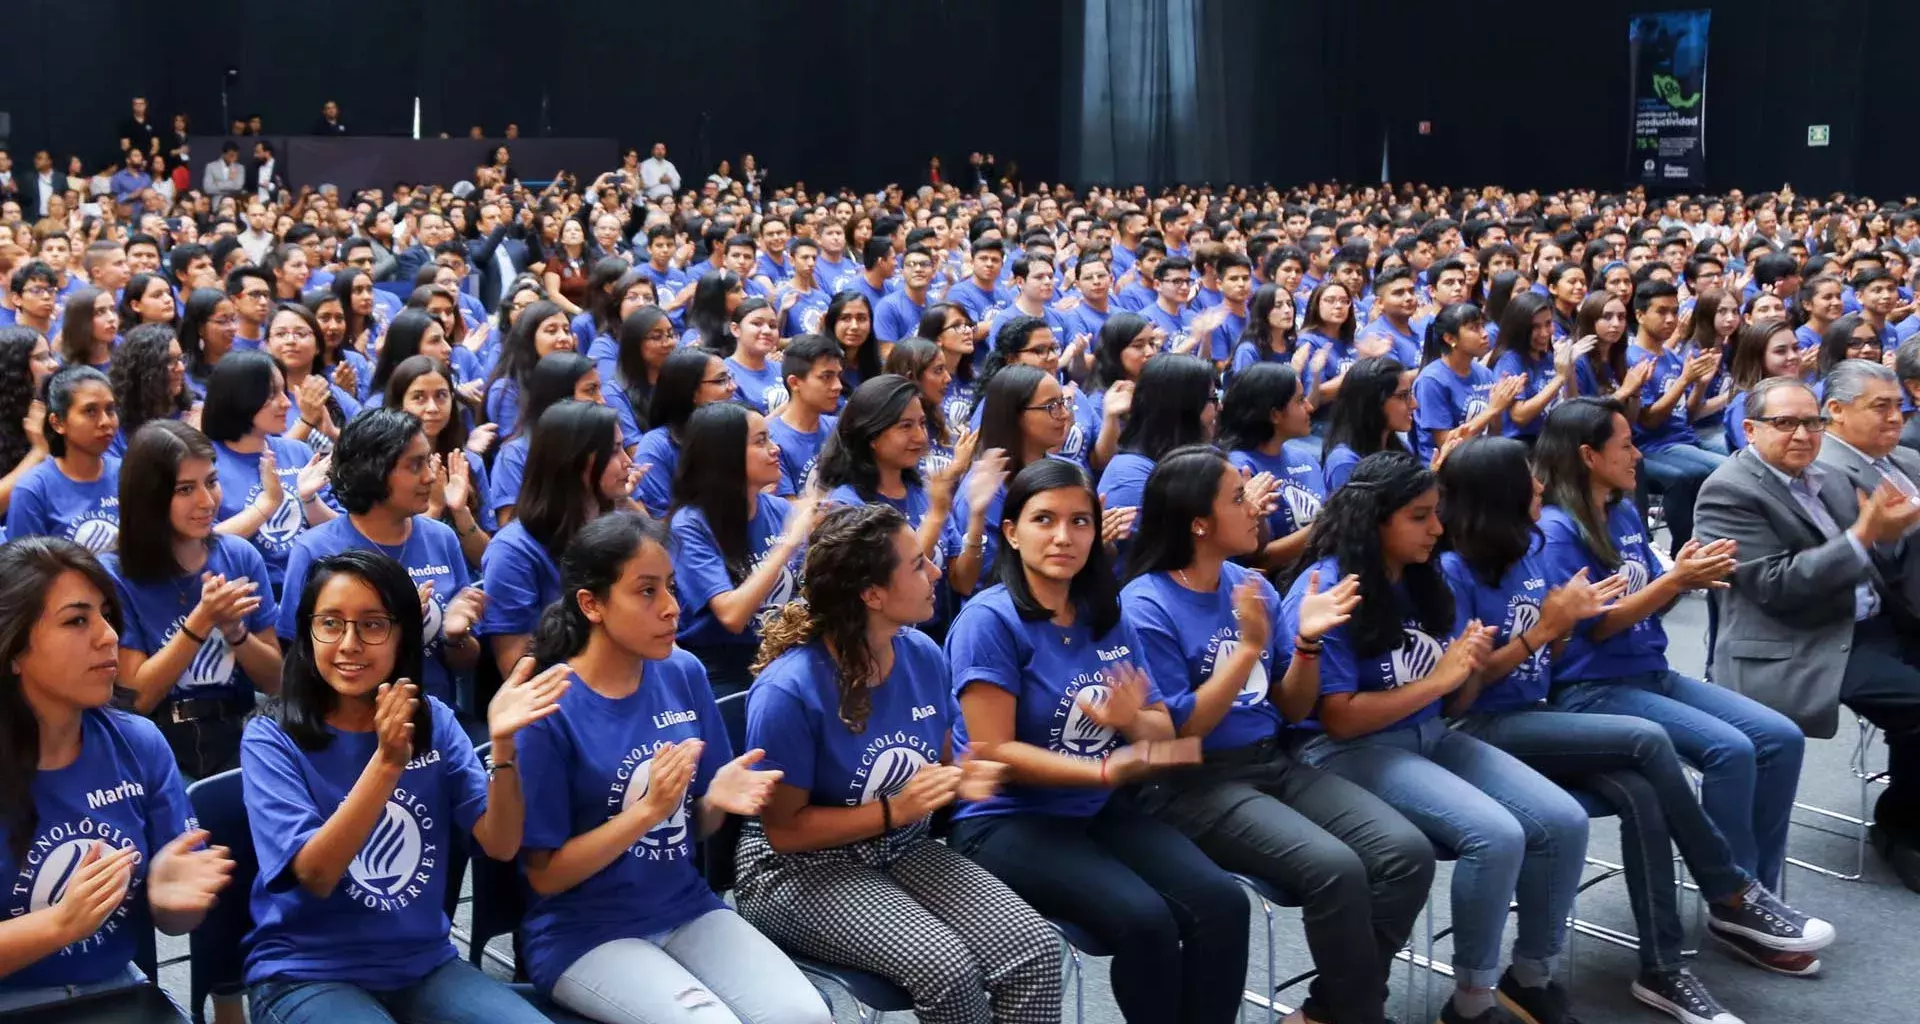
1173,393
1516,325
141,368
1312,322
400,343
1115,335
847,456
1486,502
1180,489
607,285
518,353
342,289
1837,339
593,562
631,362
76,326
1246,414
707,314
673,395
910,358
1348,531
1008,341
1456,317
712,477
1359,418
305,699
864,361
453,436
28,568
1258,332
1612,369
16,392
851,549
1095,596
201,304
148,474
1563,472
569,440
1002,405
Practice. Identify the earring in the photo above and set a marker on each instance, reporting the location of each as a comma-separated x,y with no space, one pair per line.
1201,532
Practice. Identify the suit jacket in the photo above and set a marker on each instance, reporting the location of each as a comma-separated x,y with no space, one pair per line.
1910,435
480,258
1900,570
28,182
1786,624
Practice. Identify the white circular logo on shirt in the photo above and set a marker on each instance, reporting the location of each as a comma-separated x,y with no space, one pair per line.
1301,505
892,770
1475,407
56,869
774,396
1416,658
956,409
672,831
1636,573
810,320
1082,735
1076,439
1526,615
97,535
285,521
1254,690
212,665
386,864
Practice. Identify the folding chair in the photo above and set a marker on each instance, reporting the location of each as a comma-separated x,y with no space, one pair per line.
1858,825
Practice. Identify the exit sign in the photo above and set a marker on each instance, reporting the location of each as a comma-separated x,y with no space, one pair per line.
1819,134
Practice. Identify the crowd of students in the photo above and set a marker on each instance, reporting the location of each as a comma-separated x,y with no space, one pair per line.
1074,553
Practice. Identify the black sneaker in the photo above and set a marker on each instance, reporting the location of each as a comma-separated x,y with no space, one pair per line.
1449,1014
1793,965
1545,1005
1763,919
1680,995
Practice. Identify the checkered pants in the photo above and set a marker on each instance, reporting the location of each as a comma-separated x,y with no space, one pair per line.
914,912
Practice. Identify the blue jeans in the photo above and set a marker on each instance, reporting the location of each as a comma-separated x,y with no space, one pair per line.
1516,834
1748,754
1678,472
1630,766
453,993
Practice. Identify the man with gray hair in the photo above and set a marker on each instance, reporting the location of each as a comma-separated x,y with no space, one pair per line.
1821,614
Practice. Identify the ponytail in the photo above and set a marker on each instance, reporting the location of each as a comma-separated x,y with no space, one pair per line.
593,563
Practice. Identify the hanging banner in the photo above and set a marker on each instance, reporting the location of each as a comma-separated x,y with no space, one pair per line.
1667,66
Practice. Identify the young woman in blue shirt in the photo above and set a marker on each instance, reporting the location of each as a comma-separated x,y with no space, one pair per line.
1455,395
690,378
921,362
1206,626
1053,684
25,364
754,360
1372,413
198,607
1174,405
1383,677
1264,428
541,329
354,782
1126,342
559,377
149,381
1749,755
1269,335
75,493
94,815
424,388
1525,346
1490,505
1765,348
319,408
852,703
272,485
633,770
738,547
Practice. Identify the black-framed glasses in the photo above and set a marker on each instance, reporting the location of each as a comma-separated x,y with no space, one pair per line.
373,630
1041,351
726,378
1789,424
1058,408
1404,396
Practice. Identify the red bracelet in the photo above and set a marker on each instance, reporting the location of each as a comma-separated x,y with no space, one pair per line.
1103,771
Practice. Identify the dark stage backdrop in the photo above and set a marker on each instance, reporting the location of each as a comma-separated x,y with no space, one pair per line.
862,92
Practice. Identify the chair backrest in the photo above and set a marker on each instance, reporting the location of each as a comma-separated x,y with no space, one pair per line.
499,896
219,802
718,851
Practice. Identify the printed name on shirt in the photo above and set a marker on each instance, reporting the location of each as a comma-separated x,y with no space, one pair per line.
666,718
102,797
925,711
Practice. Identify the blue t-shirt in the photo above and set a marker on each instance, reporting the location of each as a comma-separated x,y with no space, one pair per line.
1303,488
1344,670
1184,635
509,470
806,313
1513,607
976,300
240,485
588,763
658,449
1248,353
123,790
836,276
1443,400
760,389
1539,374
793,713
1736,428
778,273
1809,338
1176,325
1642,648
798,451
1678,428
898,316
503,405
48,503
1084,318
521,580
154,610
1406,347
700,572
1044,667
1339,465
1124,481
431,554
383,926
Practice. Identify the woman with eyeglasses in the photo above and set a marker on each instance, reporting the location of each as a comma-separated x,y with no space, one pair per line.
1028,341
1490,504
207,330
691,378
1616,663
633,770
1372,412
69,930
89,329
1052,682
949,328
1264,428
149,381
577,470
1329,326
319,407
1383,677
739,547
354,783
559,377
1125,343
74,494
460,498
384,473
853,704
272,483
1205,625
198,605
1849,337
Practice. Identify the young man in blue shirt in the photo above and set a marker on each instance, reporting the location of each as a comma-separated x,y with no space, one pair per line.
980,293
771,267
1034,278
802,300
251,290
1175,221
1396,303
834,267
1126,244
877,280
1089,310
898,315
1136,297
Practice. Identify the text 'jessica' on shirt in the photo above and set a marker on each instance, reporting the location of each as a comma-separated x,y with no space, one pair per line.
1344,670
123,790
1046,668
592,761
384,925
1185,635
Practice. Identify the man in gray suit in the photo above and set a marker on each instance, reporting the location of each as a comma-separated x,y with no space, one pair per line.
1820,613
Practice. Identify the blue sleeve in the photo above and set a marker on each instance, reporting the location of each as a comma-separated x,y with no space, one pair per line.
1155,693
1243,357
134,635
460,769
167,809
504,488
1340,463
982,649
483,488
513,592
1433,409
503,405
1460,579
1160,654
280,809
699,568
548,819
26,512
779,724
1563,554
616,400
655,489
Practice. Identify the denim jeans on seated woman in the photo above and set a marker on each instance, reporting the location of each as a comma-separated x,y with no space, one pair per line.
1515,834
455,992
1748,754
